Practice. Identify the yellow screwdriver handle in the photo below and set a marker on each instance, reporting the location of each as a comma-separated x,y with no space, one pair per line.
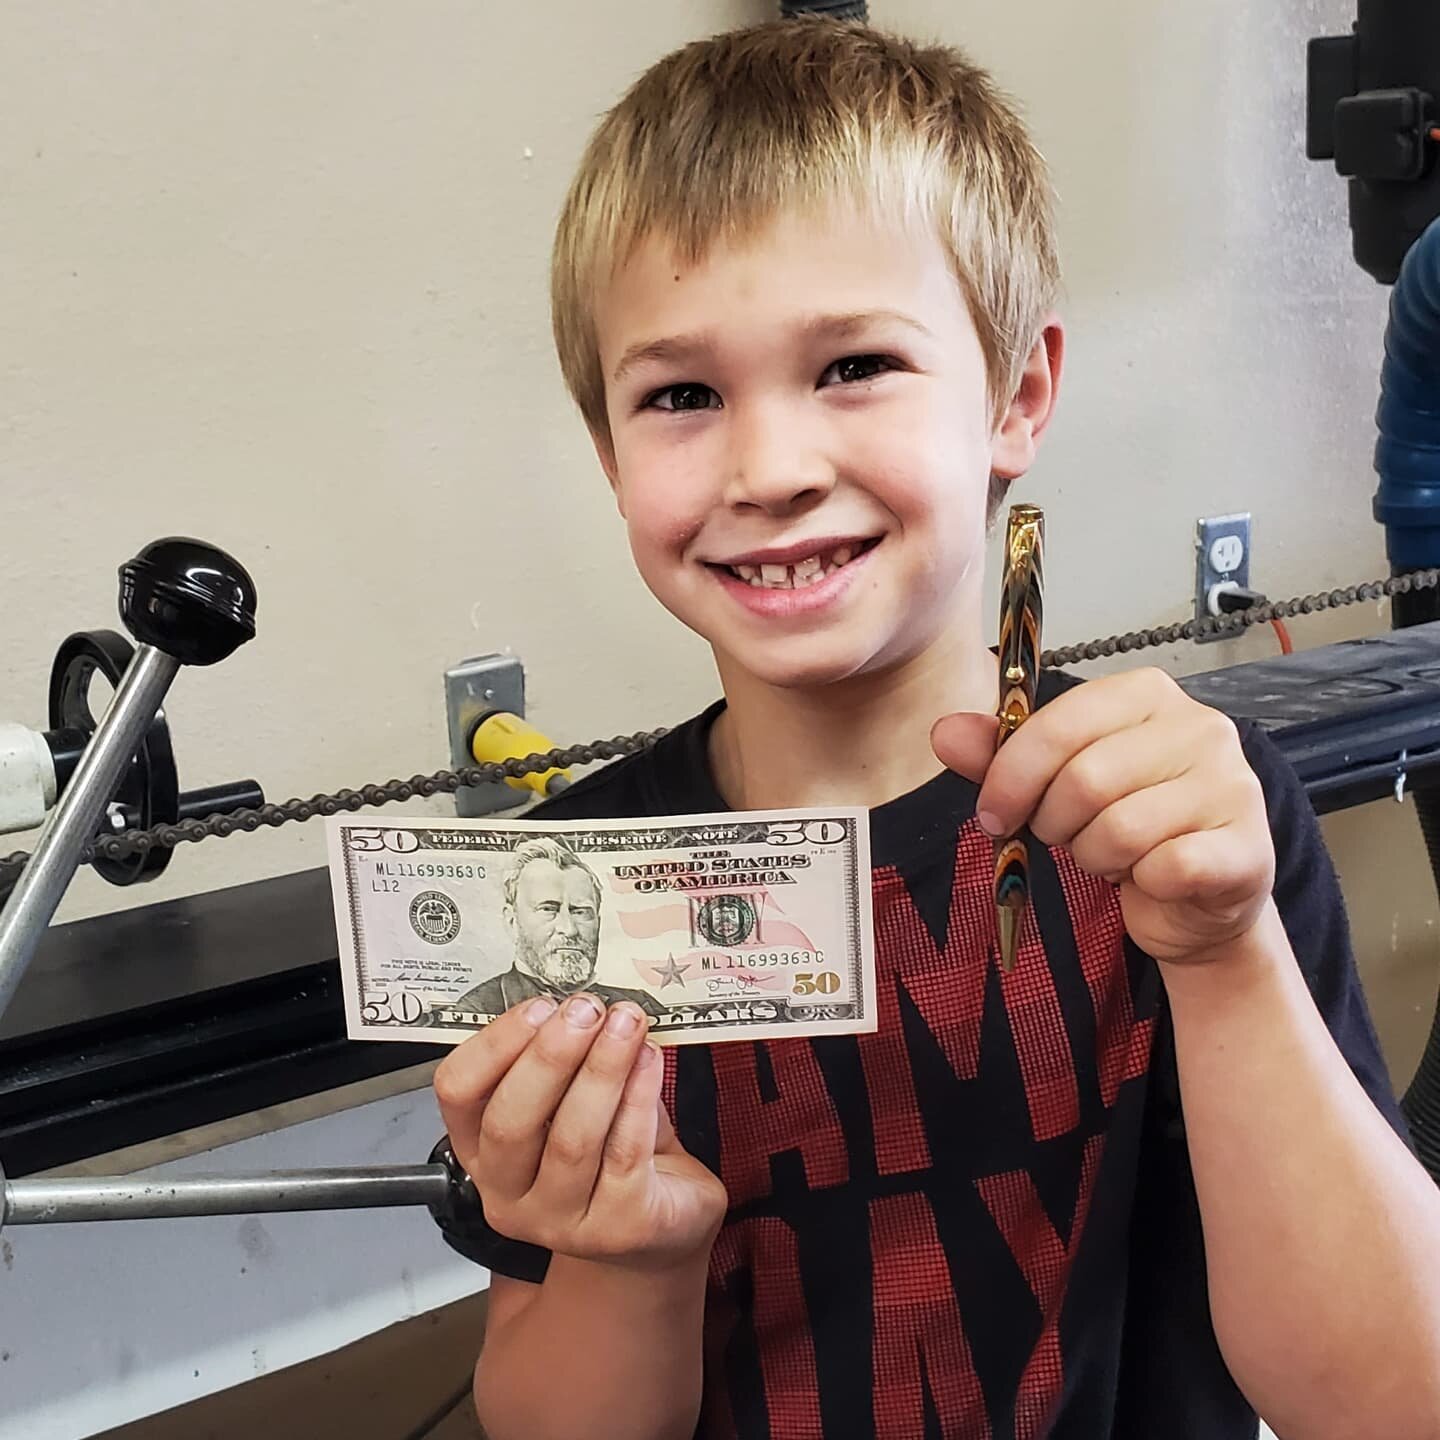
501,736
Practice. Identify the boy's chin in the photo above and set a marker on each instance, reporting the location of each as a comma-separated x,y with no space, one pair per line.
799,668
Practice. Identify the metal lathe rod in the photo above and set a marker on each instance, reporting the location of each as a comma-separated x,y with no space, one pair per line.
53,1202
73,821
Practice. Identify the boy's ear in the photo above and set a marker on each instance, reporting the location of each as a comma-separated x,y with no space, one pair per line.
1017,437
605,453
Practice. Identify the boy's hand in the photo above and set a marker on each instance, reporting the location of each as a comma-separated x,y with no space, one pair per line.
558,1120
1143,786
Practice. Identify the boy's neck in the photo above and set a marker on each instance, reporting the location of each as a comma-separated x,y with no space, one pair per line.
863,742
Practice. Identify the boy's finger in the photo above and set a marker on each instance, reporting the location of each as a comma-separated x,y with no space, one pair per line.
965,743
1036,753
1127,831
631,1144
466,1078
1202,866
515,1124
1104,774
666,1141
572,1155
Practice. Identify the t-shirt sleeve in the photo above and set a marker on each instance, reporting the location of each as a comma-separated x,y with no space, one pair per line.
1312,909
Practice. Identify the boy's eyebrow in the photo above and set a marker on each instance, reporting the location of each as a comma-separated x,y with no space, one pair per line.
821,327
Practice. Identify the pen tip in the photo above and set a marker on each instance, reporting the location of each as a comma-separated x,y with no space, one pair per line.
1009,925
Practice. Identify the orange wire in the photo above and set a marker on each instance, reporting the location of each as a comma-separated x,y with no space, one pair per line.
1287,646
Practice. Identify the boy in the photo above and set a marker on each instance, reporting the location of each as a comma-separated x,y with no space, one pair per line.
803,287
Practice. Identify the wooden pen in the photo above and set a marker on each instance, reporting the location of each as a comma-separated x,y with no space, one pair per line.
1021,610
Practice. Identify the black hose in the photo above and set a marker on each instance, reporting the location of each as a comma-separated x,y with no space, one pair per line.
1407,459
835,9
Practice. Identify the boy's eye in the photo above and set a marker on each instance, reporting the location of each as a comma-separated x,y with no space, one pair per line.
857,367
689,396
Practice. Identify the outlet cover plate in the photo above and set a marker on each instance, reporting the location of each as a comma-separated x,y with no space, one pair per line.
474,688
1220,542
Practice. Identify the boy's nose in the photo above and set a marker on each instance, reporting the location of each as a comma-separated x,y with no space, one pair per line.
774,468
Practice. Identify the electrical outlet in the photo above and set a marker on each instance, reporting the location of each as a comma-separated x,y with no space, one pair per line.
1222,557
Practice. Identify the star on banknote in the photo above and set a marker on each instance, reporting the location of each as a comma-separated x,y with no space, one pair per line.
671,974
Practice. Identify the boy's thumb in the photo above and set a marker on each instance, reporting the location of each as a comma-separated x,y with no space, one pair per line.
666,1141
965,743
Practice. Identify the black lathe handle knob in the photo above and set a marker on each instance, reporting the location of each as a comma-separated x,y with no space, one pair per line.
188,599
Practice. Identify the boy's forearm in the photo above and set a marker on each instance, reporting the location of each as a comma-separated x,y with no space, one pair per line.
1322,1234
603,1351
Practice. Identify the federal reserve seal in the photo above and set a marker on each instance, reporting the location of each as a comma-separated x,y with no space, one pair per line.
726,919
434,917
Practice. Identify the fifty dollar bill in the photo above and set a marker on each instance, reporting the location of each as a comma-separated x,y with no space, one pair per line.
721,927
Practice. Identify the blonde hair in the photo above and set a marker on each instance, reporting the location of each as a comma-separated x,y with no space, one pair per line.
724,134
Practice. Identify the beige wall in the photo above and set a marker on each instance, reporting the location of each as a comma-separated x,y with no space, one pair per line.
274,274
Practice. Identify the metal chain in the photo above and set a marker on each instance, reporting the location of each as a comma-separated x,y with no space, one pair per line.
138,842
132,842
1242,619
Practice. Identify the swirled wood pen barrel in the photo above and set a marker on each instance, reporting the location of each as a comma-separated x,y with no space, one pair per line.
1021,610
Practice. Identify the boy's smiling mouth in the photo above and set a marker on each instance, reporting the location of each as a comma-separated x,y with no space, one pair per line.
795,567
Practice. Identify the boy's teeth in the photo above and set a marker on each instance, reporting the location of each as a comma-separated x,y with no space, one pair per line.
796,576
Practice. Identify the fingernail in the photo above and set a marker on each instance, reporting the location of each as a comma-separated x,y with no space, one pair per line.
537,1012
649,1054
581,1011
622,1022
990,823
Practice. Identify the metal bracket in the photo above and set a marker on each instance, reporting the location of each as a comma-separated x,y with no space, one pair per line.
474,688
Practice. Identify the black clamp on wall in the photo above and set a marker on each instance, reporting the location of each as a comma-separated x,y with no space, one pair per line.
1372,109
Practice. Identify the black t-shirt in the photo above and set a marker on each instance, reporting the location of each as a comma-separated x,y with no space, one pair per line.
979,1220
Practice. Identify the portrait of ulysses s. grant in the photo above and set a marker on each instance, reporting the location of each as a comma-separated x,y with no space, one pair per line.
552,911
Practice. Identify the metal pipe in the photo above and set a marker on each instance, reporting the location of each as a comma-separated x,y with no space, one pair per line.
59,1202
73,822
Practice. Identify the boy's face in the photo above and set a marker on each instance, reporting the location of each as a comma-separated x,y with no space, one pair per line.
801,444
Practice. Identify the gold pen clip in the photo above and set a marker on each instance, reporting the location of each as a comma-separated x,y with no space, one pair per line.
1021,610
